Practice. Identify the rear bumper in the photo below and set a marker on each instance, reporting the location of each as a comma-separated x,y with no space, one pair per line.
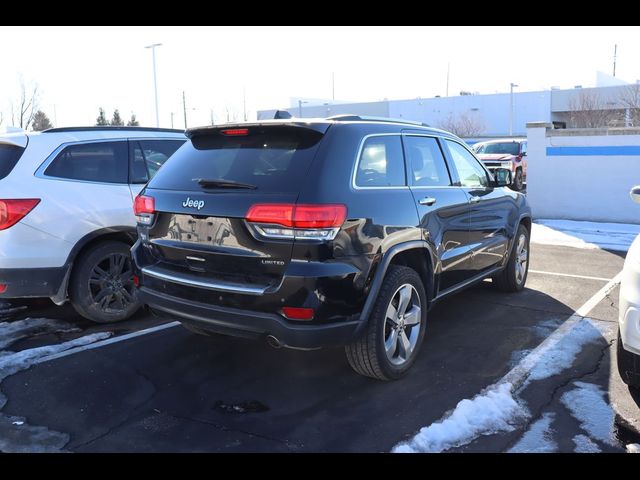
31,282
246,323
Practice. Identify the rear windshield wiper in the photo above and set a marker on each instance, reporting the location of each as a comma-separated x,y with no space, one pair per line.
220,183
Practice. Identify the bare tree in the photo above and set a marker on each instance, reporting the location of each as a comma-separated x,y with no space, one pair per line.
588,110
24,109
630,100
463,125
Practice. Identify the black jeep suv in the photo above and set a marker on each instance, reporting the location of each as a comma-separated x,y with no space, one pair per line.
311,233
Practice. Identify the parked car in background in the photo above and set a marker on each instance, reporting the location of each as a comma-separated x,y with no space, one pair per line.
66,220
628,346
509,153
312,233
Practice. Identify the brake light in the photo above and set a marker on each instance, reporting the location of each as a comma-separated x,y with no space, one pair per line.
14,210
3,287
235,131
144,208
288,220
136,281
295,313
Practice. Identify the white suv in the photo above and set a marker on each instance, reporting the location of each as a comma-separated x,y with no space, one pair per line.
66,216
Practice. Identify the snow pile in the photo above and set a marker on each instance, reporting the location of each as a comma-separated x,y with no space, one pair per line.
610,236
538,439
11,332
562,354
587,405
487,413
585,445
633,448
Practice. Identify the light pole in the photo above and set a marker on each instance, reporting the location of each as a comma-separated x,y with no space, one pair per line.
300,102
511,108
155,81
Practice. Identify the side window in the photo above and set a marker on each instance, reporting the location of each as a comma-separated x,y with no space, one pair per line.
469,170
149,155
104,162
428,168
523,148
381,162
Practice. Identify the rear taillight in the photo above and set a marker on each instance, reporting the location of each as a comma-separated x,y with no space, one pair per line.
3,287
14,210
288,220
144,208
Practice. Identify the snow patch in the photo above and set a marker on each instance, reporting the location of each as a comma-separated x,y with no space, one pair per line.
18,436
589,235
585,445
490,412
538,439
587,404
561,355
11,332
633,448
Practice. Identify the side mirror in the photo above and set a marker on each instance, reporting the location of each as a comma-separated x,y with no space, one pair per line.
635,194
503,177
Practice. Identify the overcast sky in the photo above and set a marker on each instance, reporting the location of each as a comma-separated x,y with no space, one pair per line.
79,69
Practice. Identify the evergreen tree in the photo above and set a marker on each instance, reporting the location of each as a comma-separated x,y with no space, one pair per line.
133,121
116,121
102,118
40,121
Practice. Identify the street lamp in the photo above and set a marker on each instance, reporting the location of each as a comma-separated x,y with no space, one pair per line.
155,82
511,108
300,102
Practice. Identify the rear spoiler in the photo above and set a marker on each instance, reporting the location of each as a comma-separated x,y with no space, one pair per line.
13,136
320,126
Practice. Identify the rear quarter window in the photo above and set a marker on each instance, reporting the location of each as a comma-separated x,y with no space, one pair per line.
273,159
9,156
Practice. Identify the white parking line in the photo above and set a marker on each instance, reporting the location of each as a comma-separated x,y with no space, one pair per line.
518,374
109,341
557,274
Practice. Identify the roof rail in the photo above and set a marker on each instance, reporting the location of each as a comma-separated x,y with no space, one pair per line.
365,118
109,127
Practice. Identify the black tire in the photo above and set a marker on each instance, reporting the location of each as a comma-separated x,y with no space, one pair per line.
518,181
368,355
628,365
509,280
104,298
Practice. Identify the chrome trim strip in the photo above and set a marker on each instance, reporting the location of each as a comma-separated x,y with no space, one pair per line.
209,285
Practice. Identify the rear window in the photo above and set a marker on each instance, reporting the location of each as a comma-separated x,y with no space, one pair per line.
273,159
9,156
509,148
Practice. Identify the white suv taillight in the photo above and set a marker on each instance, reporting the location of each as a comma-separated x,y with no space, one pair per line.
144,208
301,222
14,210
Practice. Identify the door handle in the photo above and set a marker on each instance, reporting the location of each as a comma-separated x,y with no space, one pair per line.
427,201
474,199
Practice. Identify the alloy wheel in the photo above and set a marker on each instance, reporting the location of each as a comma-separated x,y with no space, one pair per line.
111,283
402,324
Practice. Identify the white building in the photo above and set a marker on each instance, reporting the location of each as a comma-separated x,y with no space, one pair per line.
492,112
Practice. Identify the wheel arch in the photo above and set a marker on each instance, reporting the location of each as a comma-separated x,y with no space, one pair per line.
415,254
125,234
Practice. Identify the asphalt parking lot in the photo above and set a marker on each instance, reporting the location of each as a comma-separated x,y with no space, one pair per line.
171,390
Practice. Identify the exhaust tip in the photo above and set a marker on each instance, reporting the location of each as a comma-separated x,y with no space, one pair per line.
273,341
